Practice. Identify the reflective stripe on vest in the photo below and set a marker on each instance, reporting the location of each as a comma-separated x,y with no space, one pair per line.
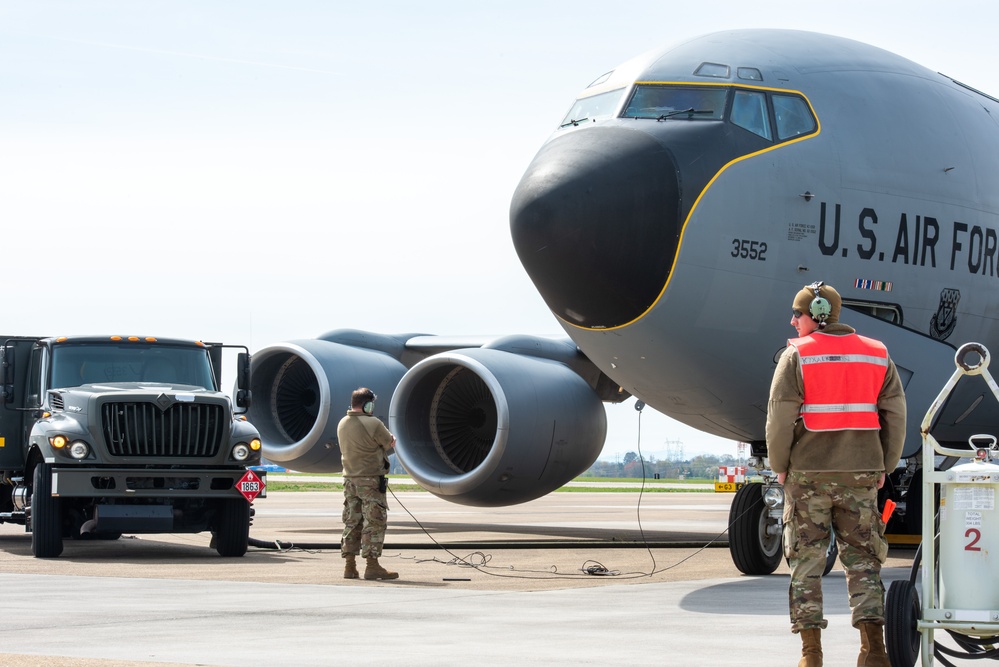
842,376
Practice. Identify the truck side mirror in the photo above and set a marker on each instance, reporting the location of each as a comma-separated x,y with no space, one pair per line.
7,373
243,394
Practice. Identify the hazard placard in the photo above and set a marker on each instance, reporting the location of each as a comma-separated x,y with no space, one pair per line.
251,485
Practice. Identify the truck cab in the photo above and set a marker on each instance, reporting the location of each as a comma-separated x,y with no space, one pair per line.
105,435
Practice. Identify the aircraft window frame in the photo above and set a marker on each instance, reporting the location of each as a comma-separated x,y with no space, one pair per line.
889,312
675,110
713,70
594,107
789,122
749,74
601,79
754,117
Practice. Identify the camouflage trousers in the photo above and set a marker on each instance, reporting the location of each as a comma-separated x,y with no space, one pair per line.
846,503
365,517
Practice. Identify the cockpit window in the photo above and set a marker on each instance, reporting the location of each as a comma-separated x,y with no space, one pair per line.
593,108
793,117
749,74
715,70
676,103
749,111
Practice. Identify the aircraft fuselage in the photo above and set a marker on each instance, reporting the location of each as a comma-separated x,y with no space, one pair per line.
670,239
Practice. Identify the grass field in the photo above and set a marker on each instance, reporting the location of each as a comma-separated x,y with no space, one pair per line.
287,482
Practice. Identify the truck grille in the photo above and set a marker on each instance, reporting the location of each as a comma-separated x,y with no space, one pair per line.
182,430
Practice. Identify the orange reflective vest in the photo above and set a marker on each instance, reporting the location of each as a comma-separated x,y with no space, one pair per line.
843,376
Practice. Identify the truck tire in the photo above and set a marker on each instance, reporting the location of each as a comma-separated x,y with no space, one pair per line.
232,527
46,515
754,551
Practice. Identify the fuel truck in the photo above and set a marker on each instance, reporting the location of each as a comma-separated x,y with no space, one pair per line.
101,436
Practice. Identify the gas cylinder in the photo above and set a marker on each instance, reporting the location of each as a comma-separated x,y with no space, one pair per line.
969,536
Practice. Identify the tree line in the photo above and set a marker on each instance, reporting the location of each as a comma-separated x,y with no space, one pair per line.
703,466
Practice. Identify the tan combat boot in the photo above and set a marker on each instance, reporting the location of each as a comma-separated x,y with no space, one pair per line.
350,567
872,646
376,571
811,648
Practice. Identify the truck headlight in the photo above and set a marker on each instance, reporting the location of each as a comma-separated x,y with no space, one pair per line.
773,497
241,452
79,449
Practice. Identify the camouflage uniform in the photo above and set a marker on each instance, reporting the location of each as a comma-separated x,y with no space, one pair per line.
831,485
363,505
847,503
365,445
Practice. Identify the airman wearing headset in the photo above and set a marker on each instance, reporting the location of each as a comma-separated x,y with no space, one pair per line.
365,445
835,427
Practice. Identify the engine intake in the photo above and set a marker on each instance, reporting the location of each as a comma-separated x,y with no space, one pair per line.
302,388
486,427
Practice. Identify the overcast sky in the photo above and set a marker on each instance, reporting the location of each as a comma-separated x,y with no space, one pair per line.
253,172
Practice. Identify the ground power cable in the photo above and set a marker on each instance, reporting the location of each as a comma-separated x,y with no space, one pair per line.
590,567
478,560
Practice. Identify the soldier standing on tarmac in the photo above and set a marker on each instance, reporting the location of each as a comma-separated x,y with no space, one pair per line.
835,427
365,445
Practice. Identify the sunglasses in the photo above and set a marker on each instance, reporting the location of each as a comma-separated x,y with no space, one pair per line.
795,312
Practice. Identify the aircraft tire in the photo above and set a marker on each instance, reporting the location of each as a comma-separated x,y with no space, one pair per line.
232,528
754,552
831,553
46,515
901,616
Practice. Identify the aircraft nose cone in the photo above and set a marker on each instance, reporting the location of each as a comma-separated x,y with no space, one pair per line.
595,221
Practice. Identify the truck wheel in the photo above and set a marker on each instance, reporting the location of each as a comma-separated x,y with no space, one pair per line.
46,515
232,527
754,551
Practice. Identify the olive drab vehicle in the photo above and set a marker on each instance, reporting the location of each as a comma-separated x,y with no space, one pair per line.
101,436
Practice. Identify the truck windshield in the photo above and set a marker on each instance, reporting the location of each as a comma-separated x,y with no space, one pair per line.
75,364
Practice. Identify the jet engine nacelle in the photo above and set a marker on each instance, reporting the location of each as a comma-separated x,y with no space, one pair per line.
486,427
302,388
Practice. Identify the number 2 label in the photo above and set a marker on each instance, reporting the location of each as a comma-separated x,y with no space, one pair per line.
975,535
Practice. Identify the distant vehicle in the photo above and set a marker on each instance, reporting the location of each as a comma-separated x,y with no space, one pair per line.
105,435
679,205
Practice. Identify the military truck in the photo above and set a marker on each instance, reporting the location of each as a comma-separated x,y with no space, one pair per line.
101,436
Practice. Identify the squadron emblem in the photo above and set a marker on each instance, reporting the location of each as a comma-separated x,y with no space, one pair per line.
943,321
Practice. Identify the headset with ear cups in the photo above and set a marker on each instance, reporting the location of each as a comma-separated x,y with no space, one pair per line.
819,309
369,405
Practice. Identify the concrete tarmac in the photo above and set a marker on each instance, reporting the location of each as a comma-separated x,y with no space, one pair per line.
563,580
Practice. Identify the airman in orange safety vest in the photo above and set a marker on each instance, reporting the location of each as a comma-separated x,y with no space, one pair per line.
835,427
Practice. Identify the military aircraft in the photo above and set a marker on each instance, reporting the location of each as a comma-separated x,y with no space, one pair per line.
668,221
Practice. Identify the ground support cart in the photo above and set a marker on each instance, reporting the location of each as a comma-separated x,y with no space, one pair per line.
960,544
